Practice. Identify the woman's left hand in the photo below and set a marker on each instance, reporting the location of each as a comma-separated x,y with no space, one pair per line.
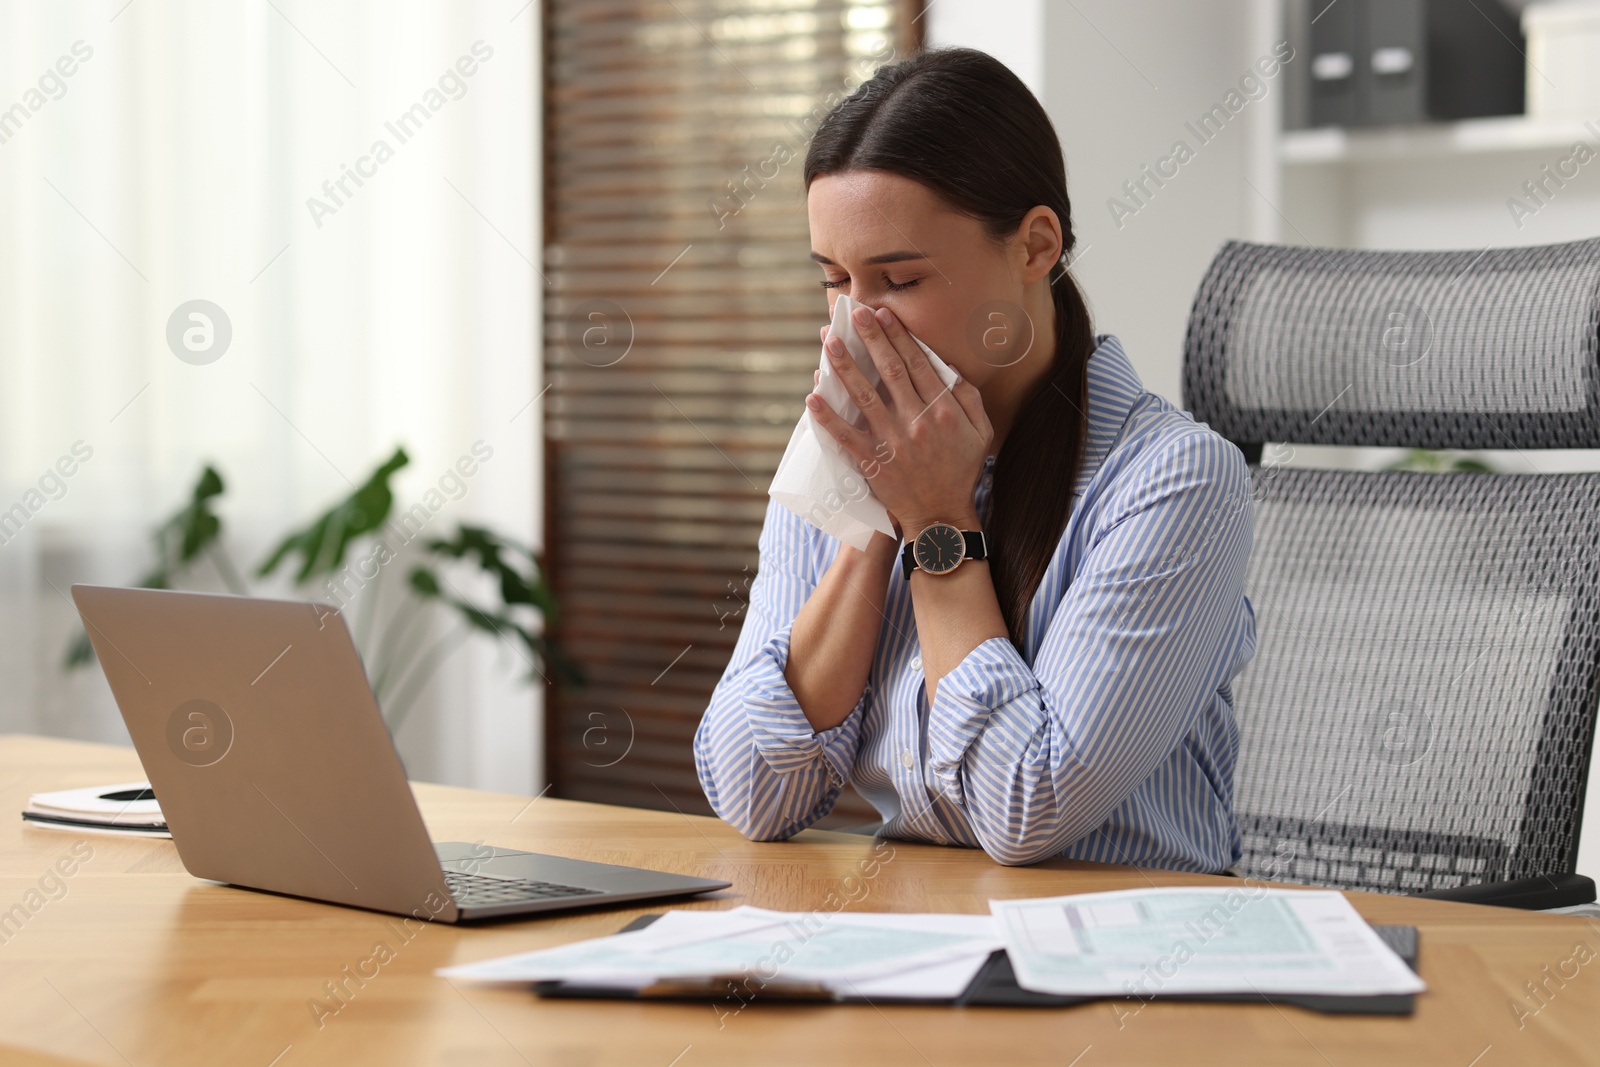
924,447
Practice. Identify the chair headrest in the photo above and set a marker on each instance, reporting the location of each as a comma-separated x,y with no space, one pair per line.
1490,349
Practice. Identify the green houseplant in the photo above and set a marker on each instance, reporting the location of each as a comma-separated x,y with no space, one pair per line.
1436,461
405,652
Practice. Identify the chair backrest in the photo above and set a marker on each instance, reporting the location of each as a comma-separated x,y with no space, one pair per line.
1421,705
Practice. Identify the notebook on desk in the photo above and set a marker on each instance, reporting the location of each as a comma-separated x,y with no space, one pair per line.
995,985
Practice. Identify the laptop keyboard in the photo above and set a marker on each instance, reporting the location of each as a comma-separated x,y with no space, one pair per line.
481,891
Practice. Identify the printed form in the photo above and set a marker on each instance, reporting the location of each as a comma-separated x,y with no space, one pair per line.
1155,942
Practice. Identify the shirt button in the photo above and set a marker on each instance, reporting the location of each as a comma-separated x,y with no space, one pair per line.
907,760
916,663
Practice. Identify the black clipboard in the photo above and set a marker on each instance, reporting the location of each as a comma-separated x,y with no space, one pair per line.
995,985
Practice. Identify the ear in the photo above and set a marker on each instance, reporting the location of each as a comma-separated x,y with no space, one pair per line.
1038,243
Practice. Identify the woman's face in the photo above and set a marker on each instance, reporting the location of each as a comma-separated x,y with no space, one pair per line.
891,242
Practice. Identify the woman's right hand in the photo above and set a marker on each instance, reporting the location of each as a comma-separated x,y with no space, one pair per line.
816,380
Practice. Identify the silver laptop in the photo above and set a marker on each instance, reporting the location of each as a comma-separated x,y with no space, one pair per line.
275,771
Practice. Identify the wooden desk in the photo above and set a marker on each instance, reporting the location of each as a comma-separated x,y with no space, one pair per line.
138,963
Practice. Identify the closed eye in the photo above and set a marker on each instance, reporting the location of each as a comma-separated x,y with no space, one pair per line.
887,284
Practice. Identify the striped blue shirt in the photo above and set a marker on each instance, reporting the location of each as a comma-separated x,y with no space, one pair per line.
1110,737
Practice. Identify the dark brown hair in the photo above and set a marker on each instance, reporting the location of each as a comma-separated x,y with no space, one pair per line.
959,122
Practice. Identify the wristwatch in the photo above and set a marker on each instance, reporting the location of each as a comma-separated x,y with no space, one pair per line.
941,548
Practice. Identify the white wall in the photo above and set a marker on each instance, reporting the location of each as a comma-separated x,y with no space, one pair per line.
1120,81
1010,30
1123,82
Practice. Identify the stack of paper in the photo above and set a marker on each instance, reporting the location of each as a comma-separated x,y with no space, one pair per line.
845,953
127,808
1165,942
1145,943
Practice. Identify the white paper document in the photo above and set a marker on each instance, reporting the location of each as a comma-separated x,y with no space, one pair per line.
1245,939
939,980
846,952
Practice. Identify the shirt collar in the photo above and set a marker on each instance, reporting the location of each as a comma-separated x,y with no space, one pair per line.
1114,387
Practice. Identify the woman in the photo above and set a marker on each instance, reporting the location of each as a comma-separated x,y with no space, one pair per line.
1069,694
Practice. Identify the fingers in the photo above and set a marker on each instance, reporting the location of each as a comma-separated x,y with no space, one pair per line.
888,359
924,379
852,440
971,401
862,393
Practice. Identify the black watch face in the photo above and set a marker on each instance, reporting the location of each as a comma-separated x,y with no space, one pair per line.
940,548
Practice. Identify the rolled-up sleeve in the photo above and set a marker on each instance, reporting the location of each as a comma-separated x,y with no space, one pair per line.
763,767
1040,756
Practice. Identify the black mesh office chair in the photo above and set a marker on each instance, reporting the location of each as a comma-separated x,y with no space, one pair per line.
1419,713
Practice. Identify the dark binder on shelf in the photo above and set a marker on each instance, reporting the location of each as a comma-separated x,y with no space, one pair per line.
1403,62
1395,57
995,985
1336,69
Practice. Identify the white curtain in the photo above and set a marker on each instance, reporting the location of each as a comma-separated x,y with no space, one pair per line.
355,186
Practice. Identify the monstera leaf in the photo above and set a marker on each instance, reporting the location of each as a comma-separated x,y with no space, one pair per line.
322,545
190,534
517,589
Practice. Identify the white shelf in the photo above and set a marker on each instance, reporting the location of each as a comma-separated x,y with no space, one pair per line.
1333,145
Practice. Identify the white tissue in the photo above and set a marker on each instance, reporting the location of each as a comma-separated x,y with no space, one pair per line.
817,479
